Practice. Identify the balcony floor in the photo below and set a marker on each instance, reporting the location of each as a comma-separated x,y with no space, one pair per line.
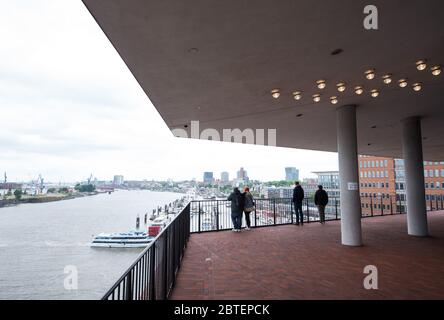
291,262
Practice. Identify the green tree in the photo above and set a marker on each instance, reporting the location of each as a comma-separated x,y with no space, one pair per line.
52,190
18,194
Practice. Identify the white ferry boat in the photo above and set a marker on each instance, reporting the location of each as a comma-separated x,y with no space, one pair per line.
132,239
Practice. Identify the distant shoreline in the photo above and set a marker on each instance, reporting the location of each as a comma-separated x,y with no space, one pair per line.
43,199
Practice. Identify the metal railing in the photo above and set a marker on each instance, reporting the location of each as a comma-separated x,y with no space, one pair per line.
215,215
153,274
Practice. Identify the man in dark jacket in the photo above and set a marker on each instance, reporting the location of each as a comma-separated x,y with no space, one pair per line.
237,208
298,197
321,200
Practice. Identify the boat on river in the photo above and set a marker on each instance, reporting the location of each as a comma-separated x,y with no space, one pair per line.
132,239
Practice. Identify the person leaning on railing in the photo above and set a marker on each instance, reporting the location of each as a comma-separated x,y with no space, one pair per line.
321,200
248,206
237,207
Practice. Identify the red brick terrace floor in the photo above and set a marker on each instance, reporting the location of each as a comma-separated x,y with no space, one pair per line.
292,262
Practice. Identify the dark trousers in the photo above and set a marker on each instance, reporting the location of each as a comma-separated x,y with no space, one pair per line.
321,213
247,219
237,220
299,212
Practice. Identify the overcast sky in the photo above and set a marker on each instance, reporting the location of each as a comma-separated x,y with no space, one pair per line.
69,107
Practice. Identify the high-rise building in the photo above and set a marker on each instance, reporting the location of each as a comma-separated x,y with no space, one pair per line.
118,180
208,178
291,174
224,177
242,175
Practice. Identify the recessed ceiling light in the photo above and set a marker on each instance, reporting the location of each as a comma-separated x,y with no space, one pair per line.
341,87
321,84
359,90
370,74
421,65
297,95
316,97
374,93
387,79
417,86
402,83
436,70
275,93
373,127
334,100
299,115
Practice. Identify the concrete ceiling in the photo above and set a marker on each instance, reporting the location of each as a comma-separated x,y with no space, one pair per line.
216,62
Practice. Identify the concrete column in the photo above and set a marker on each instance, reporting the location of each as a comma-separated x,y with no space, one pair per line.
414,176
349,176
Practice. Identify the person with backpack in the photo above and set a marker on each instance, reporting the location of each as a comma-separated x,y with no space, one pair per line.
298,197
249,206
236,209
321,200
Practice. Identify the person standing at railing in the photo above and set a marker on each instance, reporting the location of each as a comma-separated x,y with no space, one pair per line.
298,197
321,200
248,206
236,209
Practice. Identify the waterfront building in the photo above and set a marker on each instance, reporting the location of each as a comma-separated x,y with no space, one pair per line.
242,175
291,174
118,180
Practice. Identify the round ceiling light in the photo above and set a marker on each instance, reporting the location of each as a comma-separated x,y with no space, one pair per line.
316,97
370,74
341,87
321,84
334,100
417,86
402,83
436,70
297,95
387,79
275,93
421,65
359,90
374,93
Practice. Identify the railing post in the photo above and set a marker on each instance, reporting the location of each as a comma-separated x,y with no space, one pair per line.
431,203
129,286
217,215
165,259
391,205
308,211
274,211
198,219
382,208
371,205
291,211
336,208
152,277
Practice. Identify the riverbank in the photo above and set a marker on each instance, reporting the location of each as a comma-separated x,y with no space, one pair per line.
45,198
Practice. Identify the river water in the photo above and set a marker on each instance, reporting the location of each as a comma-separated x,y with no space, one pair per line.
40,242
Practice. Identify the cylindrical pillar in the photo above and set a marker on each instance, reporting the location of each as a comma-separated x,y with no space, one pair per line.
349,176
414,177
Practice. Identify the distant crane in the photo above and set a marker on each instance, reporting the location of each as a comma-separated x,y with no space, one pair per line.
38,184
90,178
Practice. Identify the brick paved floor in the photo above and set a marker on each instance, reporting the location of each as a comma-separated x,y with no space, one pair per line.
292,262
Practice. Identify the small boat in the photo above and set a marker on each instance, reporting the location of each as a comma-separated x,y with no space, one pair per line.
132,239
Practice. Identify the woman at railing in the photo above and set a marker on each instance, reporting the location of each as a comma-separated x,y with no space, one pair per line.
248,206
